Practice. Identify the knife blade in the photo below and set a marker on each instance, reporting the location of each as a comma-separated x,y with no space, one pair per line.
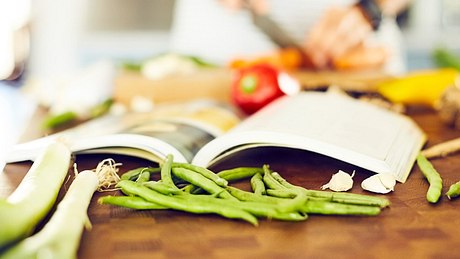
277,34
270,28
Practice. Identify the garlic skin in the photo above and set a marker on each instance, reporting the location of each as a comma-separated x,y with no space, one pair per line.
340,182
379,183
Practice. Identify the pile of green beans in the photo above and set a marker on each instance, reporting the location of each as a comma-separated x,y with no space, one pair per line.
190,188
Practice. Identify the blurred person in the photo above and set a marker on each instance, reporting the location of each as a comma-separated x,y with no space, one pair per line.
331,32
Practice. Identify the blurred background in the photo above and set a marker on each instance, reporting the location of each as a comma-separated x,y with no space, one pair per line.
33,45
136,29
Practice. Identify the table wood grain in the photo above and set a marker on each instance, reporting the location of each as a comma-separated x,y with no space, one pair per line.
410,227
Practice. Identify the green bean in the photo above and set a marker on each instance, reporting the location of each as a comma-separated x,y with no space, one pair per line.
310,206
346,198
258,209
250,196
340,197
282,181
143,177
134,173
271,182
131,202
434,179
332,208
161,187
165,172
189,188
294,204
203,182
203,171
192,205
201,203
231,175
257,184
454,190
193,189
239,173
290,216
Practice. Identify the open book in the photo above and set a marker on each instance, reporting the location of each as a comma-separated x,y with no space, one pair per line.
328,123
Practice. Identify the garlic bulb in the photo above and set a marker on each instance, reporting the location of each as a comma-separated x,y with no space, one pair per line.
340,182
379,183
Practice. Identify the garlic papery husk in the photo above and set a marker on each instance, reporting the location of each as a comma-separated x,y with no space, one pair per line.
340,182
379,183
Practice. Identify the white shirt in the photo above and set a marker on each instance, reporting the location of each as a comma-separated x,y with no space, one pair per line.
205,28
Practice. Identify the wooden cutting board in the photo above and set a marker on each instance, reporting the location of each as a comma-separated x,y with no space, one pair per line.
214,83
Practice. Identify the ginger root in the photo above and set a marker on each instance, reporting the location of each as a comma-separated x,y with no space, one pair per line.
442,149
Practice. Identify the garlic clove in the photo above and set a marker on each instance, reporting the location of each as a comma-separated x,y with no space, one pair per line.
340,182
379,183
388,180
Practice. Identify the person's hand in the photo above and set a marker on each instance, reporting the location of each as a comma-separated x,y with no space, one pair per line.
258,6
340,30
361,57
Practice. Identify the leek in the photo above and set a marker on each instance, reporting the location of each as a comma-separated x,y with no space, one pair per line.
35,196
60,237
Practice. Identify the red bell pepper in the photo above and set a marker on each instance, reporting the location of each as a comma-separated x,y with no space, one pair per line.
255,86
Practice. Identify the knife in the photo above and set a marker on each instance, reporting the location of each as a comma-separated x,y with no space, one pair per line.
277,35
268,26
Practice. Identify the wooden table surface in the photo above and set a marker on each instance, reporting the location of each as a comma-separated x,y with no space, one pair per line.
410,227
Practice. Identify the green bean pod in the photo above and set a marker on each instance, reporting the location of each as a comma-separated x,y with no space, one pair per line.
250,196
296,203
190,188
266,210
203,171
131,202
257,184
333,208
191,205
143,177
282,181
166,172
310,206
340,197
201,181
434,179
454,190
271,182
299,198
161,187
239,173
134,173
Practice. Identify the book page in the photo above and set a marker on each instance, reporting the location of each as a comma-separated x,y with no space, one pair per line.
180,129
332,124
334,119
